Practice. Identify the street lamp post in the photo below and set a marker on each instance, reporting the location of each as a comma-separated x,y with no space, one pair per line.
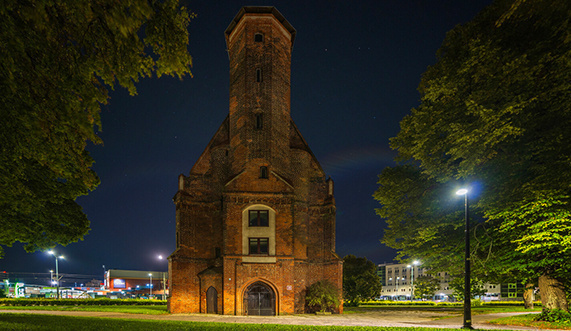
467,303
397,288
164,282
412,279
57,271
151,285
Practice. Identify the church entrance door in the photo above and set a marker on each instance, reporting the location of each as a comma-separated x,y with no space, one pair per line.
259,299
211,301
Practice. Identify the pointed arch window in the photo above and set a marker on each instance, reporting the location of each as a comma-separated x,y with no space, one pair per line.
263,172
259,121
259,75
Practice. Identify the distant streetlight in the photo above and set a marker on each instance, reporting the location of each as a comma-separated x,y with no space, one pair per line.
412,278
164,282
57,271
151,285
467,303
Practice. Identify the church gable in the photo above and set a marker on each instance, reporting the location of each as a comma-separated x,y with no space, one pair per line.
255,178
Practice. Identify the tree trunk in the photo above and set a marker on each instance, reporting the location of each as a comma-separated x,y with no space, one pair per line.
528,296
552,293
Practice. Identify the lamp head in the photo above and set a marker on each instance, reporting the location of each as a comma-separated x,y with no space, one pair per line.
462,191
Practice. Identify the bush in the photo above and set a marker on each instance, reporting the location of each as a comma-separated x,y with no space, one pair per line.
555,315
322,296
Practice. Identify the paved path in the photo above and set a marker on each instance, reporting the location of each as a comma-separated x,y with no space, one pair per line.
408,318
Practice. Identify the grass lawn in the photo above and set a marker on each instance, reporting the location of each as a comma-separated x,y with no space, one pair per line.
47,322
527,320
10,321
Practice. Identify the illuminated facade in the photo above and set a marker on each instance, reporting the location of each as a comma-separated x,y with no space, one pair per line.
255,217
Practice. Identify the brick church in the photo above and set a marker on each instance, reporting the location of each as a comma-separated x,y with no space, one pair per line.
255,217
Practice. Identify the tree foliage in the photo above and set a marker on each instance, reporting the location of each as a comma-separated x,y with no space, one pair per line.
360,280
59,61
426,286
322,296
495,113
477,288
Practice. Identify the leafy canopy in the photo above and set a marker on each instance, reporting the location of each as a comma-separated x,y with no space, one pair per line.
426,286
59,61
360,280
495,114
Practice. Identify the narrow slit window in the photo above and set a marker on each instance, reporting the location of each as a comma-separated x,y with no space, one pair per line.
259,37
263,172
259,75
259,121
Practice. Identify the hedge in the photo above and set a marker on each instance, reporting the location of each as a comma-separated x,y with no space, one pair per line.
79,302
442,304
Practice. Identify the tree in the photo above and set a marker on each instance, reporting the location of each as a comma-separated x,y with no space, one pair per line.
59,59
477,288
360,280
426,286
494,112
322,296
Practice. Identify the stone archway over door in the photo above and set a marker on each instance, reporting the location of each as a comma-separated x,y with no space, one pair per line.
211,301
259,299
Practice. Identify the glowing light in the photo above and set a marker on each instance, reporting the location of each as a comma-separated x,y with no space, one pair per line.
462,191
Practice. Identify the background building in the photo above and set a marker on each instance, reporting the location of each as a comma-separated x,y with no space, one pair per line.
137,282
255,217
398,280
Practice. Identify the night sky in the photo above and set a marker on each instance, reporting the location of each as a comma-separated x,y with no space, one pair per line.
355,70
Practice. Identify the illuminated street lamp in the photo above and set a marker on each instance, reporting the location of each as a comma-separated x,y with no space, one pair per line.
164,282
467,303
412,278
57,271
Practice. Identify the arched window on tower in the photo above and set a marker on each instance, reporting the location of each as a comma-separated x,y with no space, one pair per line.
259,75
259,122
258,37
263,172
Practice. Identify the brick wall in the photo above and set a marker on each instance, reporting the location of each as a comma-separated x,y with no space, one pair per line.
225,182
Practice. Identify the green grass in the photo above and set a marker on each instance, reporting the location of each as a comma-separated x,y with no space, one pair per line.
500,309
56,323
528,320
147,310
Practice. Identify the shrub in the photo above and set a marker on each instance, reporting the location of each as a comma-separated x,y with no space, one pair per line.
555,315
322,296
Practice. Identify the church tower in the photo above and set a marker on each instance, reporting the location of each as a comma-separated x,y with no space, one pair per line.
255,217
